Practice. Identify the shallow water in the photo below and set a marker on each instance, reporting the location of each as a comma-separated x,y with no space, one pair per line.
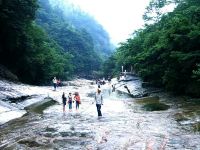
125,125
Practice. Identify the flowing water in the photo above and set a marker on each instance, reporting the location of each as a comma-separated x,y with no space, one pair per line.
127,124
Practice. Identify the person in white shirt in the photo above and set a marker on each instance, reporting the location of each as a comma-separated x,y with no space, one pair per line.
54,83
99,101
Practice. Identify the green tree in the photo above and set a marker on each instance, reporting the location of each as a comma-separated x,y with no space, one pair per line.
166,52
75,40
25,48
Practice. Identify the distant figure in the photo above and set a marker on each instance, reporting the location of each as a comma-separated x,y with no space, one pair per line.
125,74
103,82
77,99
109,88
109,79
64,100
59,82
54,83
96,81
99,83
98,88
99,101
113,88
70,101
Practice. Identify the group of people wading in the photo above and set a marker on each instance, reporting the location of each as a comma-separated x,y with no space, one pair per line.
75,97
71,99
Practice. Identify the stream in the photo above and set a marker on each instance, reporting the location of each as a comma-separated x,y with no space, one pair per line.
159,121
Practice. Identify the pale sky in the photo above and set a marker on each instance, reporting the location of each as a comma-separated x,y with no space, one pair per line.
120,18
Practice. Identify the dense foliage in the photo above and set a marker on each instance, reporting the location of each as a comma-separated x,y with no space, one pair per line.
36,51
77,33
81,20
25,48
167,52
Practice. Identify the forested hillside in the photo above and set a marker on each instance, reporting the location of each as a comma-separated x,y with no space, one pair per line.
167,52
74,36
38,42
82,20
25,48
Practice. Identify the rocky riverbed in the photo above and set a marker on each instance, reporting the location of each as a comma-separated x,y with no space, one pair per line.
157,121
15,97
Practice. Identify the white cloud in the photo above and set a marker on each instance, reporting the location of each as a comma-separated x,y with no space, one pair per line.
119,17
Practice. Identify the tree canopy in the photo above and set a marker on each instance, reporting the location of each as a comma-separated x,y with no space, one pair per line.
77,33
167,52
38,42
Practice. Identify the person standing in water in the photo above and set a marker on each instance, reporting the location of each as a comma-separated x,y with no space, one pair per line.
70,101
54,83
109,88
64,100
113,88
99,101
77,99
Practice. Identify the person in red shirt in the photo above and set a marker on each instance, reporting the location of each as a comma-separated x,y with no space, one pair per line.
77,99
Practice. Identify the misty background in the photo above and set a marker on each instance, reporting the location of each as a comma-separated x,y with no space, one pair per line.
44,38
119,18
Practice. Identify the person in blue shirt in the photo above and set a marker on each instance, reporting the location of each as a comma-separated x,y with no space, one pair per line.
70,101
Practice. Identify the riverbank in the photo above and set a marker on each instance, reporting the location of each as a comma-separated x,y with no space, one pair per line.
157,121
15,97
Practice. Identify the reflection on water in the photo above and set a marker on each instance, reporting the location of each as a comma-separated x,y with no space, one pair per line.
124,125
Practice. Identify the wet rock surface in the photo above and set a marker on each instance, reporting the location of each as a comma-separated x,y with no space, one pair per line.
14,97
124,125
